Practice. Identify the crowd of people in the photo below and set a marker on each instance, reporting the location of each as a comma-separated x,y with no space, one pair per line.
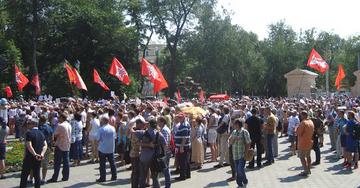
143,136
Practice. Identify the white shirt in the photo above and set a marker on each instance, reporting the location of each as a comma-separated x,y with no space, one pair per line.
83,118
215,123
95,124
12,113
293,122
4,114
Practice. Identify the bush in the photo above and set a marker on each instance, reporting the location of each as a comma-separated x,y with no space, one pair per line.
15,156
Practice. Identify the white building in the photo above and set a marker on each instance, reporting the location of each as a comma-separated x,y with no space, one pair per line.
152,52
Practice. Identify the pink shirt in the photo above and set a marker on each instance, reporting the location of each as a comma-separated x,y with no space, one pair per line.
112,121
63,136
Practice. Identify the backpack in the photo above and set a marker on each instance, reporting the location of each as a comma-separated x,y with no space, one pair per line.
160,158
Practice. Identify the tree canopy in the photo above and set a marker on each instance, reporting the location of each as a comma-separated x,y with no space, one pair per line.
200,42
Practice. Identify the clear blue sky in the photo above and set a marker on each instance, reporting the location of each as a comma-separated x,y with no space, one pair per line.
340,17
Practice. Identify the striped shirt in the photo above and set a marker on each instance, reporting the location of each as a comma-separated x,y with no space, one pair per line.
183,132
165,131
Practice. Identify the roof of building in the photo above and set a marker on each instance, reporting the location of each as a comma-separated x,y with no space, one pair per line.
298,71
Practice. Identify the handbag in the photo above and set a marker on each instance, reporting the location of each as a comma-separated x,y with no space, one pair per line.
160,159
249,155
222,129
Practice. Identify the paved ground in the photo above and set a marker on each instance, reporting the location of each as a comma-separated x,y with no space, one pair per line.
284,173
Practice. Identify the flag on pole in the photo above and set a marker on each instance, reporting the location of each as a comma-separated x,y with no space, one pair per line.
71,74
201,96
79,81
98,80
21,79
178,96
8,92
36,82
147,69
118,70
316,62
160,83
155,75
341,75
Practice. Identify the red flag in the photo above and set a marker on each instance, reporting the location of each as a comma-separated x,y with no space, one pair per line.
201,96
36,82
178,95
341,75
21,79
99,81
316,62
160,83
79,81
118,70
8,92
71,74
155,75
149,70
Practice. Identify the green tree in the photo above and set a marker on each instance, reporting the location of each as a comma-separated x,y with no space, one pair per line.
171,18
222,56
281,55
89,31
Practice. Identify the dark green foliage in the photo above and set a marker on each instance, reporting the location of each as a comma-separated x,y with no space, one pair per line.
201,43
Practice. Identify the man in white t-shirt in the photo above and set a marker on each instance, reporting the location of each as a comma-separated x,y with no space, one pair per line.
293,123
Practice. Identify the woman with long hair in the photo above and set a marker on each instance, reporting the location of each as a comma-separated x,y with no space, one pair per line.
76,148
197,138
212,134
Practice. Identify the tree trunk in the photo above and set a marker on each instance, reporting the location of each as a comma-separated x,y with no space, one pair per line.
172,74
35,4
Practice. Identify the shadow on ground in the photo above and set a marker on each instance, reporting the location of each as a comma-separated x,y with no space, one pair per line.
218,184
291,179
110,183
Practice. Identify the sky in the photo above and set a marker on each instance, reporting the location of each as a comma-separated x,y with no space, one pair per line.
337,16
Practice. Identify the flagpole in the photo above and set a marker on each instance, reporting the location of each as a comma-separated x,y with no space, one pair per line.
327,82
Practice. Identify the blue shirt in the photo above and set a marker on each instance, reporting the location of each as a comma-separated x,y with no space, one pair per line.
76,131
340,122
48,133
183,132
106,138
165,131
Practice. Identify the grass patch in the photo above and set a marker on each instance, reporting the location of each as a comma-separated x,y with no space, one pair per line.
15,156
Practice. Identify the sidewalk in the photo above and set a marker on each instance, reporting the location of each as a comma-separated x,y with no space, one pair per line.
284,173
